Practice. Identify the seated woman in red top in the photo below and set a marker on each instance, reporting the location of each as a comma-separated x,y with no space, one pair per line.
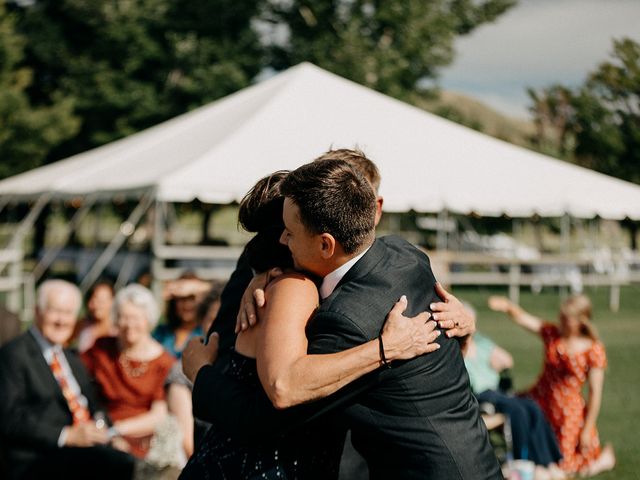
130,369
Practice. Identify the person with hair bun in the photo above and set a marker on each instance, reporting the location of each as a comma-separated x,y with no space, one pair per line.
573,355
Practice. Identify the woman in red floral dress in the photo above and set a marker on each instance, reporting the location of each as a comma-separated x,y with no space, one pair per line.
573,355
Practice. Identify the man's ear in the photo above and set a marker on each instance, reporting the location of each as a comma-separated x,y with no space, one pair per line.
379,202
328,245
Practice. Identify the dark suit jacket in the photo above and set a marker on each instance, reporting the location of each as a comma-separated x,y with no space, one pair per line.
415,420
33,410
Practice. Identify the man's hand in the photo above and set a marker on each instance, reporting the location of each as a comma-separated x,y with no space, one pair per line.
196,355
85,435
406,338
451,314
253,298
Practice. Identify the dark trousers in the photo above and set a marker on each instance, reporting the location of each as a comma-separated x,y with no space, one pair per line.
71,463
533,438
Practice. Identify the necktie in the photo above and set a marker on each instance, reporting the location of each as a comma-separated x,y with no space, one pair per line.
79,412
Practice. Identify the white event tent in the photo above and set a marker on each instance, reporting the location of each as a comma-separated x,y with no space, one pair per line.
216,153
428,164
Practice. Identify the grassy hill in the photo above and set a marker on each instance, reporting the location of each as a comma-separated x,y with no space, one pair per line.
477,115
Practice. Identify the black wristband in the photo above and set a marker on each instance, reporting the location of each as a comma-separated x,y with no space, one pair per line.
383,359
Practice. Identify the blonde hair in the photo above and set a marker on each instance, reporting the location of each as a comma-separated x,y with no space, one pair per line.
580,307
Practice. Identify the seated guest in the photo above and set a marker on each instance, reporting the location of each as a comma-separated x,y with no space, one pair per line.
48,404
9,325
98,322
178,385
533,438
574,356
130,369
183,323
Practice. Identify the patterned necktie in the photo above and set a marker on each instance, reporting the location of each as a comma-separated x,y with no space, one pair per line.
78,410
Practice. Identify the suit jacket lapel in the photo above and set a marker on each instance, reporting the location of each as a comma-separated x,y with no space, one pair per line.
42,369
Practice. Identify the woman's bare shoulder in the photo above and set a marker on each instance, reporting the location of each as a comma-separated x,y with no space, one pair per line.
292,281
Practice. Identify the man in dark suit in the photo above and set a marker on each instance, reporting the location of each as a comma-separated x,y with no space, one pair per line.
413,419
48,425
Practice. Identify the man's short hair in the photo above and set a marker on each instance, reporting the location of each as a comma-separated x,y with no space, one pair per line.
358,160
335,198
42,294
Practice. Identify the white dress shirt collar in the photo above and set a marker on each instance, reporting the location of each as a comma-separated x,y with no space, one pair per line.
330,282
45,345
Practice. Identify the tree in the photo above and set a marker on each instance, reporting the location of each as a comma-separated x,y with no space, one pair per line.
132,64
597,125
553,117
392,47
27,133
608,115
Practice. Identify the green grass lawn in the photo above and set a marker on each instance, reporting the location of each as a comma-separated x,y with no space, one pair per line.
619,419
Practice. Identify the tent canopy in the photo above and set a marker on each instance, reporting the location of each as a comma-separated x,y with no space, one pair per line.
217,152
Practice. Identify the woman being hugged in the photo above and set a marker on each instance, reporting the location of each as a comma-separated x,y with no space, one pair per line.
574,355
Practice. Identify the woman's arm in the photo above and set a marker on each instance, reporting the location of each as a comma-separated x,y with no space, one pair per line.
290,376
500,359
145,423
596,383
179,403
517,314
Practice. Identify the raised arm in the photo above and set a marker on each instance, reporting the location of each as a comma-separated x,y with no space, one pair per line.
516,314
290,376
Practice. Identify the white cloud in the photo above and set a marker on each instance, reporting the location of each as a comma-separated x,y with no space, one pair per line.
537,43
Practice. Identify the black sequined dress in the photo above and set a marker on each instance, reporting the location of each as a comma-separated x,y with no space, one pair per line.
299,455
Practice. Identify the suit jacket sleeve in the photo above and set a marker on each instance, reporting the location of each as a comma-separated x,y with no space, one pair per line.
20,422
239,407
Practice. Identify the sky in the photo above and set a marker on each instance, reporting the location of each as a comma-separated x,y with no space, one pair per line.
535,44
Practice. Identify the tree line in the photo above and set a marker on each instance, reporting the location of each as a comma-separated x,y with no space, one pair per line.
596,124
76,74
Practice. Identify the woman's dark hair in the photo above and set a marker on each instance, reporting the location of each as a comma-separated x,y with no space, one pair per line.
101,282
261,213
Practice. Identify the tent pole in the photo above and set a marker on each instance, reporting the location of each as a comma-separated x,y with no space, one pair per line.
28,222
15,243
158,241
73,225
514,268
565,246
127,228
441,239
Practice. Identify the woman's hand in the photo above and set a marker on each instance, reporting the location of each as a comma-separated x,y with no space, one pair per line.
499,303
527,321
254,298
185,287
404,338
121,444
452,315
585,439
